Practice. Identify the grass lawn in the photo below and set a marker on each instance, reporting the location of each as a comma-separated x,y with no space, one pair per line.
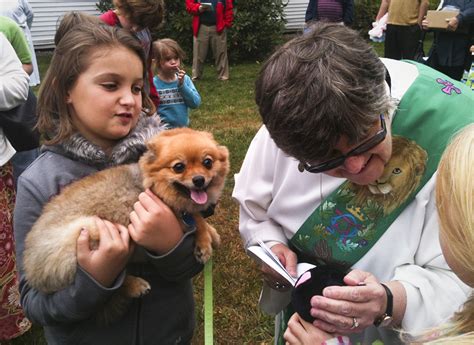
229,111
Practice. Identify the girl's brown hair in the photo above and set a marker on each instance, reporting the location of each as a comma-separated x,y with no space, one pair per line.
71,58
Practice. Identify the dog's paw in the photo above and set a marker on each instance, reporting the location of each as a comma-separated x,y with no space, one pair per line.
203,252
136,287
216,238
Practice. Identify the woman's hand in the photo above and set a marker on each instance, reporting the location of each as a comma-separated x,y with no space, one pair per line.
288,259
300,332
105,262
352,308
153,225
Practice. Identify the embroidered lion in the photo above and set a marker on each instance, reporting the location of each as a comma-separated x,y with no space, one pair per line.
400,178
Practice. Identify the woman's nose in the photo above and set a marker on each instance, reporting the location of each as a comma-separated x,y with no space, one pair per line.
354,164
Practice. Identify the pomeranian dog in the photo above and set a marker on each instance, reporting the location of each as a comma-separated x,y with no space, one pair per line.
183,167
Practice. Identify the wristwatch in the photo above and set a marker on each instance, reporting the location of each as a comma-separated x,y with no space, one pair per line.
385,319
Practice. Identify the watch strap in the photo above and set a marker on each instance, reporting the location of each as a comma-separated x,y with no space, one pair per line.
389,309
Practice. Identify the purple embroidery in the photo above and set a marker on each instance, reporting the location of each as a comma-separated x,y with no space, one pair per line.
448,87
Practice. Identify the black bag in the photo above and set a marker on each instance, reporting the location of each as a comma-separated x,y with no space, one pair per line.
18,124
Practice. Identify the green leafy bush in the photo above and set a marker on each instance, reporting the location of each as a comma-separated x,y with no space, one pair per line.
258,27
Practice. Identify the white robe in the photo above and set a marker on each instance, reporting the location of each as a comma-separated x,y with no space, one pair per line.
275,199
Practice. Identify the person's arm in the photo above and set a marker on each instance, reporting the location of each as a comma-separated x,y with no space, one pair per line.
13,79
193,7
191,96
254,192
229,13
383,9
79,301
424,5
28,13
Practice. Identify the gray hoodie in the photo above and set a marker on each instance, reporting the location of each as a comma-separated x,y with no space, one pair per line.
164,316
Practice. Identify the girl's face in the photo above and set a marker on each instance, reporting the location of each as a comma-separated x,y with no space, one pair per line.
170,63
106,99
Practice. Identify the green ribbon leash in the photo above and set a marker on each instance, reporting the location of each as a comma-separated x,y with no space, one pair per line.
208,307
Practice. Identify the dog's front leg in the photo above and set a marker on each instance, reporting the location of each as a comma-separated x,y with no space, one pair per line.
206,239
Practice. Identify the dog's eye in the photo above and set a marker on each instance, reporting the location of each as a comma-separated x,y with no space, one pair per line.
179,167
207,163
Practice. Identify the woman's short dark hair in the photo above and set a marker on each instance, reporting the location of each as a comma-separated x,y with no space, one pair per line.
320,86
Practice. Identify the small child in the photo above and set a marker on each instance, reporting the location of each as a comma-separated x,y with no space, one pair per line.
176,90
93,114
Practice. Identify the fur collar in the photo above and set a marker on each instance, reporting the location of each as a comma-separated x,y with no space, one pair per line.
127,150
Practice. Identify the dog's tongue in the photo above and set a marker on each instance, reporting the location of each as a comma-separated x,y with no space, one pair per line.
199,196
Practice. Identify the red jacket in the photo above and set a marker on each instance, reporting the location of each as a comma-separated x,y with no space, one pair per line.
224,15
110,18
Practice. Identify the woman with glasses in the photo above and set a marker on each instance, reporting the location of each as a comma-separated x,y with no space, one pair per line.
343,171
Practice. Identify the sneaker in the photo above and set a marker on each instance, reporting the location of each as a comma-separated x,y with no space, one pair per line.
194,78
223,78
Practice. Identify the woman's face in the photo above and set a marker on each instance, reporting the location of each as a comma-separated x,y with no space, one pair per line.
367,167
106,99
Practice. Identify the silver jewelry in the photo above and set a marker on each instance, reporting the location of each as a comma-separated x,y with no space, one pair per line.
355,323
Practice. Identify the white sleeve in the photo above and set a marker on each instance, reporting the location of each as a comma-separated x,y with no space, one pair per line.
254,192
433,291
13,79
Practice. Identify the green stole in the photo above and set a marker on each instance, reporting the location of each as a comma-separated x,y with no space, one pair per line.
349,222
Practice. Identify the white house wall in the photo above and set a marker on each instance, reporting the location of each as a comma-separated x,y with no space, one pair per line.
47,14
294,14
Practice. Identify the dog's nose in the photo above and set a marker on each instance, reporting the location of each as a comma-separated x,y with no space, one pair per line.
198,181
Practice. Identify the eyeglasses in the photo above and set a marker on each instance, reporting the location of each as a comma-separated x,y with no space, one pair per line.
335,162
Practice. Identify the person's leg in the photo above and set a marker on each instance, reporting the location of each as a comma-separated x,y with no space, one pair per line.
200,48
222,62
408,40
454,72
392,49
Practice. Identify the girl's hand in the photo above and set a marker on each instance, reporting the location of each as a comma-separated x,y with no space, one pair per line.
180,74
300,332
424,24
105,262
337,311
153,224
288,258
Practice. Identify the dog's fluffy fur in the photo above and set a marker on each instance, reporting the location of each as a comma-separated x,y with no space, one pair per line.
184,167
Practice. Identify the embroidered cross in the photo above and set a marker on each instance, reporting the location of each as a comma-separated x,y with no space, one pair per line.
448,87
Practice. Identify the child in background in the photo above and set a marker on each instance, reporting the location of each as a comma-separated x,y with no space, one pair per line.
94,114
175,88
138,17
455,203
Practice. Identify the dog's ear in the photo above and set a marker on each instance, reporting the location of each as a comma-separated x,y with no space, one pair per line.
223,153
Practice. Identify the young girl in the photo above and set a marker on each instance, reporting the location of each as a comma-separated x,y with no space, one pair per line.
176,90
455,205
94,114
